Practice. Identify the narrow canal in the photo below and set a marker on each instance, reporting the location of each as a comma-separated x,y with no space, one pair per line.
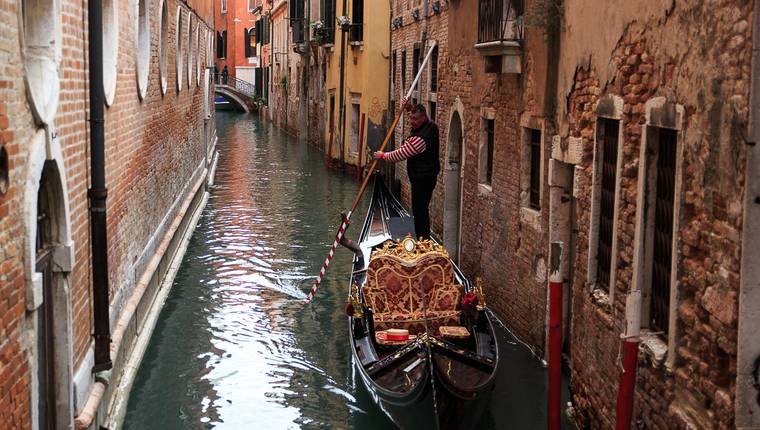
236,348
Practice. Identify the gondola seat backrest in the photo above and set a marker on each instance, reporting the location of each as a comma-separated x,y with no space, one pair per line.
405,293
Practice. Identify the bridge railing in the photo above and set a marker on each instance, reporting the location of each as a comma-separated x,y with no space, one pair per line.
243,87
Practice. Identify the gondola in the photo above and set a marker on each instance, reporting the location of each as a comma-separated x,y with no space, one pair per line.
422,341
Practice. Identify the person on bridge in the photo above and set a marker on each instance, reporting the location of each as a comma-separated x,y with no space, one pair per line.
225,72
420,150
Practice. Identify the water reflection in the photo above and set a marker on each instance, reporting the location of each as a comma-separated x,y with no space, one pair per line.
235,347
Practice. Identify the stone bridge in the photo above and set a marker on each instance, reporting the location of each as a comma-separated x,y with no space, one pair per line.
239,93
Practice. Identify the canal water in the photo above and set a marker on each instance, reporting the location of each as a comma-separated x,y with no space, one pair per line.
235,347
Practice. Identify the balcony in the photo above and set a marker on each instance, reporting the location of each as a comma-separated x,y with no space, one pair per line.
500,35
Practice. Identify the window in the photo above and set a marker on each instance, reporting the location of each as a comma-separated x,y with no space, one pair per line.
110,48
403,71
607,136
486,152
327,9
431,112
224,6
535,169
415,69
163,56
393,75
355,113
249,42
251,5
356,32
224,44
198,54
178,56
143,48
332,112
297,21
189,49
497,20
662,255
434,70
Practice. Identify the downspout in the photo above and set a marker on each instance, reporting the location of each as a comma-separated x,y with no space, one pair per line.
98,191
342,111
98,228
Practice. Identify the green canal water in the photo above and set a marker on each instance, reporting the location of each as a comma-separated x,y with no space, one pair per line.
235,347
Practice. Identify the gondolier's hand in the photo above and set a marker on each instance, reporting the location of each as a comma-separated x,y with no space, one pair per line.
378,155
405,105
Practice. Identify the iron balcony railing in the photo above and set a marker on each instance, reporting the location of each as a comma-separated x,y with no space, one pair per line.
498,20
241,86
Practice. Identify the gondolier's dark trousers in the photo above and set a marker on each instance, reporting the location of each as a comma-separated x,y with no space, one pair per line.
422,193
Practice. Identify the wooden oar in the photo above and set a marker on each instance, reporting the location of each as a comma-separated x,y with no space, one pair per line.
347,216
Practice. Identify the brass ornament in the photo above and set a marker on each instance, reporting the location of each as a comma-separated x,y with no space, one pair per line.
409,250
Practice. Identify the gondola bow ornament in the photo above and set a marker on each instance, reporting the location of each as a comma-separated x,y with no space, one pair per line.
347,216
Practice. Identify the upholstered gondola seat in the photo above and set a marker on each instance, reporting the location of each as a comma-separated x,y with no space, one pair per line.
404,293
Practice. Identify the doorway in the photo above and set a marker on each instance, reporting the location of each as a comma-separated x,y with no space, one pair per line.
452,180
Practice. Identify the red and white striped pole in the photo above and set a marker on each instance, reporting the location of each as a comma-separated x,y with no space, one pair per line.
629,346
347,217
554,401
338,237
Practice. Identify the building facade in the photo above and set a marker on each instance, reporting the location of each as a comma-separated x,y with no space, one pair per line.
235,38
159,148
617,145
356,92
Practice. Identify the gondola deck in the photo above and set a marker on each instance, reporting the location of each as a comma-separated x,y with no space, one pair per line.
431,381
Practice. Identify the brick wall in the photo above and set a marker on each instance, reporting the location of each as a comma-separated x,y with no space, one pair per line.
698,388
153,148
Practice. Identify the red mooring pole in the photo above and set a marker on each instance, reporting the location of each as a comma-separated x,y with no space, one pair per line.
554,401
629,346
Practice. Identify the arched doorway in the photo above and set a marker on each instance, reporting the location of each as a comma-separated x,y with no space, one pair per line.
452,181
51,260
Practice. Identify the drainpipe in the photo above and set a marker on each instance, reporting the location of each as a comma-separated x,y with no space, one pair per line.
98,191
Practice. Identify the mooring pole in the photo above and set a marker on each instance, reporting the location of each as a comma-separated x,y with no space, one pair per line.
629,346
554,400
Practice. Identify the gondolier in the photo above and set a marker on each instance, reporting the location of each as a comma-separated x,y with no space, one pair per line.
420,150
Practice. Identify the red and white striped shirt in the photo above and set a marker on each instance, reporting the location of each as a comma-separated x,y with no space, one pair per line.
412,146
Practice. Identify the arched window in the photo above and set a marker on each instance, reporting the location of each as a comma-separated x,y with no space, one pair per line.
198,55
143,47
189,49
163,55
180,53
110,48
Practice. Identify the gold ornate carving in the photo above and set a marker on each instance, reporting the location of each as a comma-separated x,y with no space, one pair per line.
478,290
422,247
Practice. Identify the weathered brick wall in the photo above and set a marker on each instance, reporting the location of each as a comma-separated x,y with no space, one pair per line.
709,76
153,148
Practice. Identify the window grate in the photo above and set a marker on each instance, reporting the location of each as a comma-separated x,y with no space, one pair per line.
535,169
663,230
609,136
489,149
434,70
